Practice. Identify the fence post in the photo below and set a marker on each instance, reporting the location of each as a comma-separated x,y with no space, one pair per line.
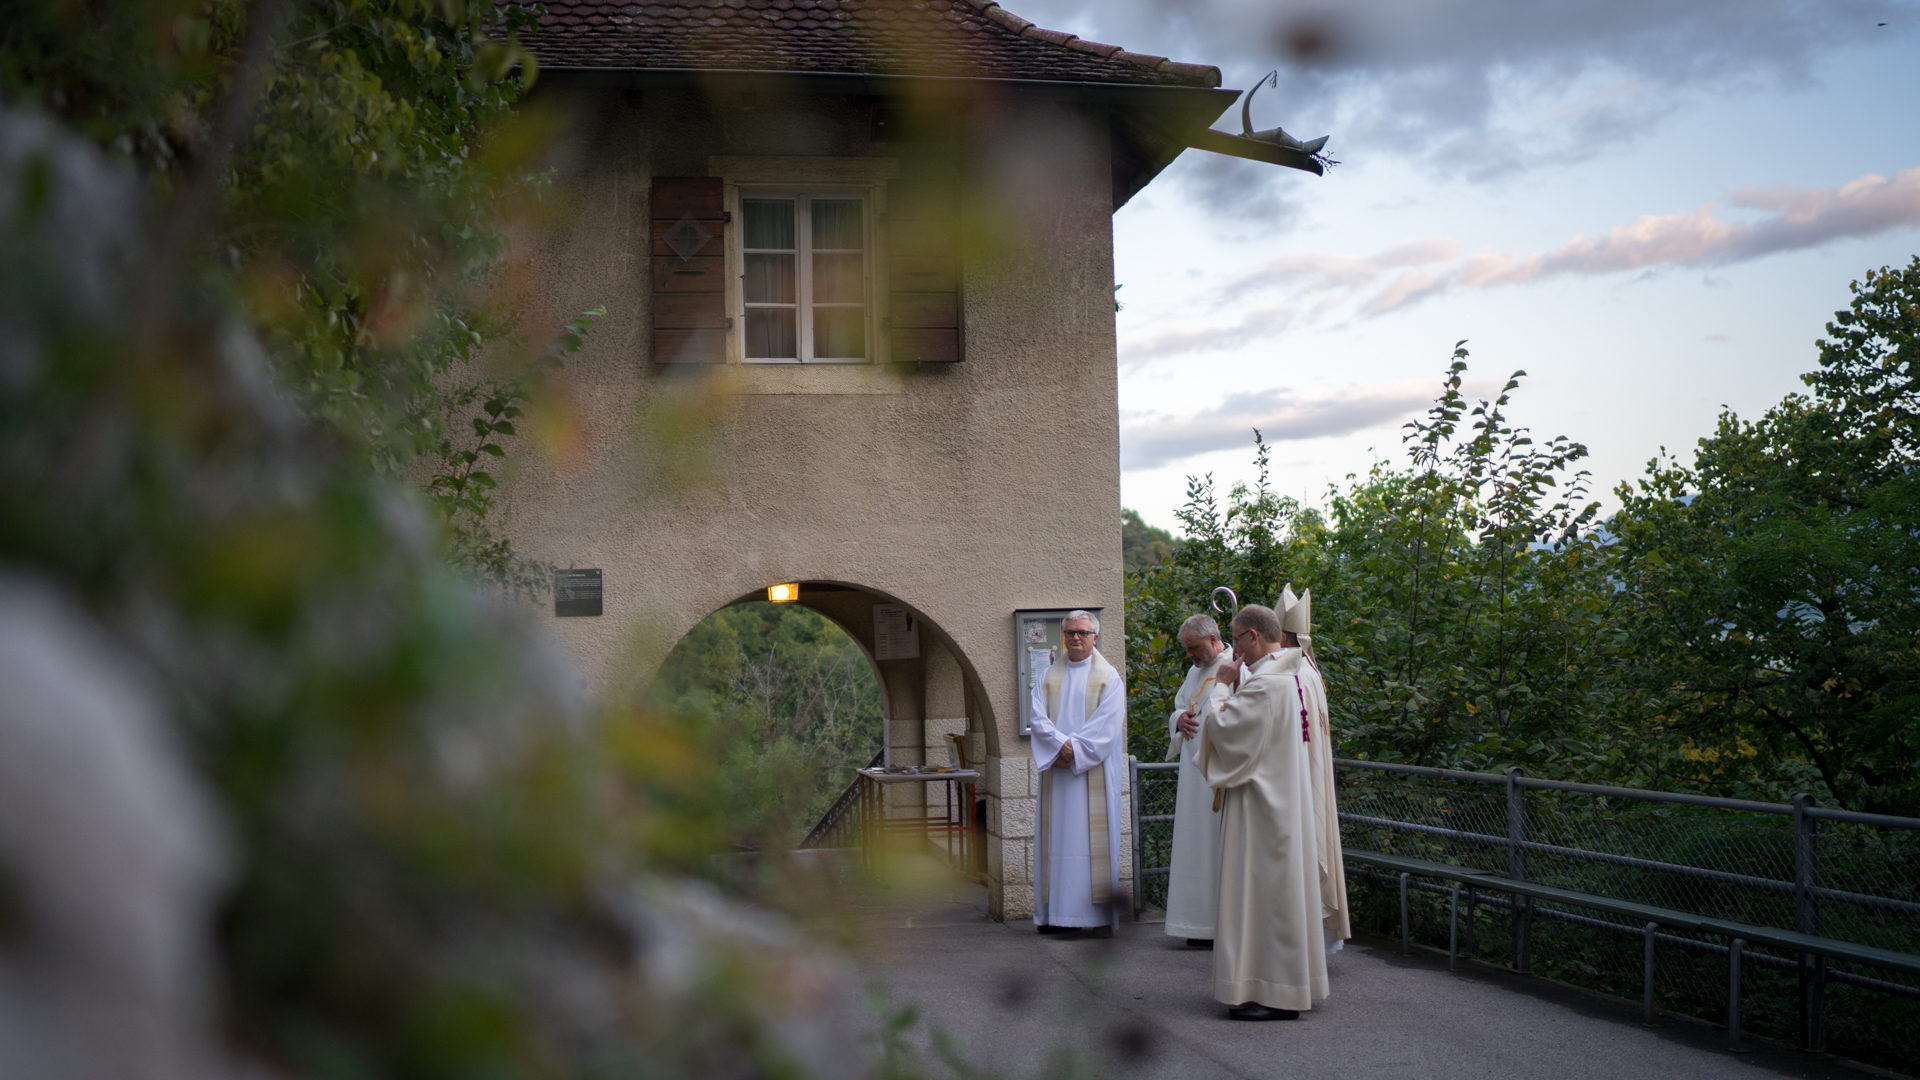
1406,931
1806,877
1453,925
1517,869
1646,973
1139,849
1733,994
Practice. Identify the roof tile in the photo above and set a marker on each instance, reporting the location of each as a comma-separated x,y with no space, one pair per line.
1006,18
953,38
1096,47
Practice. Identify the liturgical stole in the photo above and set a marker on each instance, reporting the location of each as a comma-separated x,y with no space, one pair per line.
1099,869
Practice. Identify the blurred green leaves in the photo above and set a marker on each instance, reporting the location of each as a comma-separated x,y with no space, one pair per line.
342,169
227,347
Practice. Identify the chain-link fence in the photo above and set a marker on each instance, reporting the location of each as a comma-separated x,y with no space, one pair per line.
1154,786
1796,867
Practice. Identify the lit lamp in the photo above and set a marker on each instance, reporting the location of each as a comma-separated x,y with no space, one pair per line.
784,594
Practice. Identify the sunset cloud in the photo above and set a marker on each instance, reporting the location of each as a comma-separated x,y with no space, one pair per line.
1150,441
1211,336
1756,223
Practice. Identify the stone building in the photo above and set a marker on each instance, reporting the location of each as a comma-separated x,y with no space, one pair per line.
856,257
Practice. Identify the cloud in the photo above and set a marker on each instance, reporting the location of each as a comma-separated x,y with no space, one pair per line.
1141,352
1409,288
1776,219
1322,273
1242,196
1150,441
1483,88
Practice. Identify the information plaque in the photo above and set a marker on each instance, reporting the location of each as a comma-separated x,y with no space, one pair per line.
896,636
576,592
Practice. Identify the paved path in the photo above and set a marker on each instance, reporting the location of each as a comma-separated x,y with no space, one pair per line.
1019,1004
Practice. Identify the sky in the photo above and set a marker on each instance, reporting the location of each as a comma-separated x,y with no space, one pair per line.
1652,207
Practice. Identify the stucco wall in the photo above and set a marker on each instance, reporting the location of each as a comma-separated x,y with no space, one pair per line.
965,491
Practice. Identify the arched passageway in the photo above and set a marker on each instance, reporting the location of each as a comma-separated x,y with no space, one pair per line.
819,686
795,704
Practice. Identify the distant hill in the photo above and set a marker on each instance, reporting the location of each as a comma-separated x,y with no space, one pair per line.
1143,545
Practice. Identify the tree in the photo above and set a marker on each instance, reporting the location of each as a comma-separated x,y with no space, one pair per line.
1776,582
1459,607
1457,611
1746,625
1238,547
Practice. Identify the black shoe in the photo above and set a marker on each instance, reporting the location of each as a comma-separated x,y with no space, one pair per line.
1253,1010
1199,943
1048,928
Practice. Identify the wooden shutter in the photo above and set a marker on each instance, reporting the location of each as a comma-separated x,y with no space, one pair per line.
923,269
689,271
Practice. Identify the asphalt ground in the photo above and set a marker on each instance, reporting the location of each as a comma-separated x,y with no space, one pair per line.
997,999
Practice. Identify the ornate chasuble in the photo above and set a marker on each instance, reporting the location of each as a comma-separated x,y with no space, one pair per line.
1098,676
1318,734
1269,929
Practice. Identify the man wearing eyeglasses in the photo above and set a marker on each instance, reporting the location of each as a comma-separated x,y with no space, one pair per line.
1269,957
1079,735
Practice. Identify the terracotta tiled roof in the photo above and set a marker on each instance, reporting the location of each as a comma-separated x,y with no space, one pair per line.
956,38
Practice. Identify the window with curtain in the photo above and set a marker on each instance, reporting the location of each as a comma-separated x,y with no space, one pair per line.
804,279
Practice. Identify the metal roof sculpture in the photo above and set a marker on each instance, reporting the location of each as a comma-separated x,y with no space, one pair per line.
1273,145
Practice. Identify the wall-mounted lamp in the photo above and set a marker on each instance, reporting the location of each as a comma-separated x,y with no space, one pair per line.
784,594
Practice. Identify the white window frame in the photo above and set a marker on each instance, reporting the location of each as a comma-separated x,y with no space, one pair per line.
803,178
803,251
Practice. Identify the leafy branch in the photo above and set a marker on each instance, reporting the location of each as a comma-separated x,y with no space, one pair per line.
462,489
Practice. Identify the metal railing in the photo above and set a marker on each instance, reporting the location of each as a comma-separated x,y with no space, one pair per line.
1833,874
1152,784
840,825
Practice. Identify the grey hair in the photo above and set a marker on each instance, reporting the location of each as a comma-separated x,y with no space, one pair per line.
1260,619
1199,626
1081,613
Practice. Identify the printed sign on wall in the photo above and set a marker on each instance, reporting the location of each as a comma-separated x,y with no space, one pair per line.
896,633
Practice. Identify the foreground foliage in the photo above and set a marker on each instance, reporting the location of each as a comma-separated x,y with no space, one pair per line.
417,853
340,169
250,302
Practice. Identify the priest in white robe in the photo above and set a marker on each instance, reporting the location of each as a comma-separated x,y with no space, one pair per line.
1296,625
1079,736
1269,957
1194,872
